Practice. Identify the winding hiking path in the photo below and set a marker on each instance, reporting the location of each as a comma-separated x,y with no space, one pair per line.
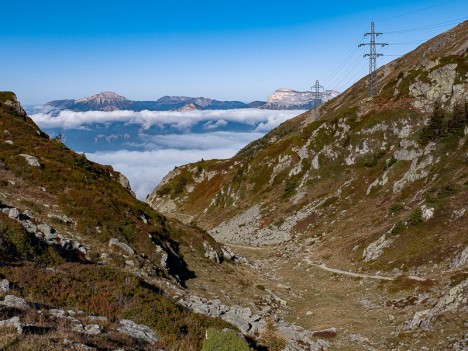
358,275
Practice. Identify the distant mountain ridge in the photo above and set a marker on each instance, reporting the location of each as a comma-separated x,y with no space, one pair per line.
288,99
110,101
281,99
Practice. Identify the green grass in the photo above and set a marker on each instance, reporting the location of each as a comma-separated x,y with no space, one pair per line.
219,340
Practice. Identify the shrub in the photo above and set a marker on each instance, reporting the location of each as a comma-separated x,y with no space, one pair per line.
291,185
436,127
456,124
416,216
181,183
218,340
397,206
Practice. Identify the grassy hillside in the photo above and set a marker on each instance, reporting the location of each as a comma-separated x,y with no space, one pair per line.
375,189
62,215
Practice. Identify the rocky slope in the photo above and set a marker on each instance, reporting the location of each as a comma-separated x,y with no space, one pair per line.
85,265
287,99
364,208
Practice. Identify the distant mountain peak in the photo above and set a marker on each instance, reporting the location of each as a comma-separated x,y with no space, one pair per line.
289,99
103,97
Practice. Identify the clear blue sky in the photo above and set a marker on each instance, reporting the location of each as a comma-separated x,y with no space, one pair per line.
238,50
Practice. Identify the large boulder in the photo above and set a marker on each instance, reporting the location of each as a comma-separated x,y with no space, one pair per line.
137,331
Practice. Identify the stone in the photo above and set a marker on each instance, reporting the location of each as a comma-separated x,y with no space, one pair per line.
125,183
57,313
75,324
122,246
461,259
62,218
13,213
13,322
93,329
47,230
375,249
137,331
211,253
427,212
30,227
31,160
12,301
4,286
455,299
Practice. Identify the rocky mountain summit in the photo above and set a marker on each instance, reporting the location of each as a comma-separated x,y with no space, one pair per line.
287,99
359,216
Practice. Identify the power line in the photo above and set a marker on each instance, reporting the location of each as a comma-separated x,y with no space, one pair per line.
408,42
411,12
431,26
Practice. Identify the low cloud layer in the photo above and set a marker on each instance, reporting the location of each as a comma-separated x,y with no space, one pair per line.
145,169
181,121
160,153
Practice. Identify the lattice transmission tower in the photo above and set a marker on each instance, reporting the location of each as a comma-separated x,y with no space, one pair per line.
317,97
373,54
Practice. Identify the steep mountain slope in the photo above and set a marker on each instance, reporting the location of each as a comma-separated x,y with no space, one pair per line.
84,263
374,190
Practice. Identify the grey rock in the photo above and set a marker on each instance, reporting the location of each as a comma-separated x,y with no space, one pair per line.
31,160
48,231
75,324
211,253
13,213
125,183
122,246
454,300
13,322
461,259
4,286
93,329
30,227
57,313
137,331
15,302
62,218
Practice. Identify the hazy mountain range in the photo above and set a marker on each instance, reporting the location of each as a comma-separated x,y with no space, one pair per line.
281,99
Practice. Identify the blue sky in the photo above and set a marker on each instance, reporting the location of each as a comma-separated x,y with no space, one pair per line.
239,50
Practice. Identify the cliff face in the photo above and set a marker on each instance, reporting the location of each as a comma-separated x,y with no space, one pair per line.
287,99
374,185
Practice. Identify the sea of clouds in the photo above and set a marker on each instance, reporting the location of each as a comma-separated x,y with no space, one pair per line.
146,160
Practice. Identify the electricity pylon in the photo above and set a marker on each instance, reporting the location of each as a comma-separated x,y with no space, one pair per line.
373,54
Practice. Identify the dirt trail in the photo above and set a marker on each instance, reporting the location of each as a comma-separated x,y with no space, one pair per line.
358,275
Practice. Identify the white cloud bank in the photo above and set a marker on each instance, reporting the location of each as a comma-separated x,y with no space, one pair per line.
162,153
145,169
181,121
